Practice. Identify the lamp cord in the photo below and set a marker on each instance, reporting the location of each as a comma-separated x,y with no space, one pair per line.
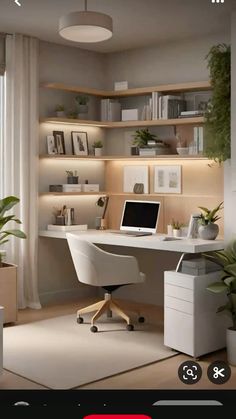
85,5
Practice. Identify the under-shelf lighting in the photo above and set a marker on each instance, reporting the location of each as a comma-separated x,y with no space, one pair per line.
86,26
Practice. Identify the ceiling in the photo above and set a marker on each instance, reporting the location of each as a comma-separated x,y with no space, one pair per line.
137,23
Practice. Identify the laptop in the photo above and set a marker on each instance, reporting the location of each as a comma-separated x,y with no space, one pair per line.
139,218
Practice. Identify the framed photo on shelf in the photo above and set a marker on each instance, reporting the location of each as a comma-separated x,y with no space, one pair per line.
135,175
59,141
51,145
167,179
79,141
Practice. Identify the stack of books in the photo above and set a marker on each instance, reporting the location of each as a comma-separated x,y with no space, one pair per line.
110,110
190,114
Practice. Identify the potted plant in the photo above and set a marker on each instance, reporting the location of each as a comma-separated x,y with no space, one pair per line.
176,228
208,230
72,177
227,260
60,111
8,272
217,125
97,146
82,103
142,137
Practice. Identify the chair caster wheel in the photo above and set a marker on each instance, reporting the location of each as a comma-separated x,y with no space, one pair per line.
141,319
80,320
93,329
130,327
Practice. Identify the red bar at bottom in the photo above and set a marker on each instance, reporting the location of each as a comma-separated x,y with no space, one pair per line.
117,417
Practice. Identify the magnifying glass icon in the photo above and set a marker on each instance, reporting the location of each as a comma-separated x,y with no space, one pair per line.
189,372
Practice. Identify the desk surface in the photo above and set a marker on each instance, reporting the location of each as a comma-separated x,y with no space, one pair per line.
155,242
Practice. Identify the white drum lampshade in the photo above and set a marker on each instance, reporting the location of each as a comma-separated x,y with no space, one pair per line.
86,26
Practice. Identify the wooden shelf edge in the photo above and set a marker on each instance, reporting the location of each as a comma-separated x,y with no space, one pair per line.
124,124
138,91
72,193
122,158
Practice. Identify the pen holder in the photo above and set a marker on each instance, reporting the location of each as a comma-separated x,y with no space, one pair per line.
73,179
60,220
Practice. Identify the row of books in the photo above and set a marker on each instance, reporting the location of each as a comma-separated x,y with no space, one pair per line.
159,107
110,110
196,147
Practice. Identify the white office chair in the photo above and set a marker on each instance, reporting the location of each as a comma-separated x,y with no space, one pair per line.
102,269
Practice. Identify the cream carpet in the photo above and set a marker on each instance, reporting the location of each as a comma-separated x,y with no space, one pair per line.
61,354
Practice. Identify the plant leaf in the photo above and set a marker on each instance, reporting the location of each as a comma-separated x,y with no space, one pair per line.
7,203
217,287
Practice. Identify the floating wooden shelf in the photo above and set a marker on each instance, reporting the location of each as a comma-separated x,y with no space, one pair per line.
124,158
138,91
125,124
71,193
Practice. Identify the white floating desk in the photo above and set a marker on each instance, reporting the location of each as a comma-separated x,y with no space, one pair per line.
154,242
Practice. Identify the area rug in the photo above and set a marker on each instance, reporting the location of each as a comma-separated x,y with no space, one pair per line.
58,353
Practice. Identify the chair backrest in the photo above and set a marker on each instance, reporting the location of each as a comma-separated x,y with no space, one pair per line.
96,267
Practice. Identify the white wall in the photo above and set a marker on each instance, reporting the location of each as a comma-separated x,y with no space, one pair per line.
167,63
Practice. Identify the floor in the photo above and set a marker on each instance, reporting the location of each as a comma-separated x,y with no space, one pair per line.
160,375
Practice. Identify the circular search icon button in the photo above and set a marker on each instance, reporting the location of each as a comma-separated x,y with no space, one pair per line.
219,372
190,372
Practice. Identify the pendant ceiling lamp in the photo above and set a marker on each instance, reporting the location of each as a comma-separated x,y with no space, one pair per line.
86,26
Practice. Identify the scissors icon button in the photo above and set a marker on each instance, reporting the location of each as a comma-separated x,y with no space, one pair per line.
219,372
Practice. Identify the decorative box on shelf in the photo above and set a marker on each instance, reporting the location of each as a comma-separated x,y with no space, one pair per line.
55,188
76,187
90,187
129,114
79,227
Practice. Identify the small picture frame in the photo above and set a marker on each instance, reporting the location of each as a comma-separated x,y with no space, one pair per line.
51,145
167,179
59,141
79,141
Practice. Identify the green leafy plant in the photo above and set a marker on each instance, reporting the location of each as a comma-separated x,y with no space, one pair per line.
227,284
142,136
217,125
82,99
209,216
6,204
60,108
97,144
176,225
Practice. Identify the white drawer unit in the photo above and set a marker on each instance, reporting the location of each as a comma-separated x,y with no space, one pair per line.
1,339
192,325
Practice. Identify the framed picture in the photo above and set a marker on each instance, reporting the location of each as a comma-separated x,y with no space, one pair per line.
79,143
51,145
167,179
59,141
134,175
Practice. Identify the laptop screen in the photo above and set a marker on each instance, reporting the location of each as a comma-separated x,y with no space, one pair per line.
140,216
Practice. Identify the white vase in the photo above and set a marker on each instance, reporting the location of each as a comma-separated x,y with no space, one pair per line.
231,346
176,233
98,152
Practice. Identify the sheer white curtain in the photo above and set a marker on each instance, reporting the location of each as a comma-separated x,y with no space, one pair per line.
21,158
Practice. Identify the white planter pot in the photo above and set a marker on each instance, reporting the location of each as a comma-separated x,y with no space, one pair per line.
61,114
176,233
231,346
98,152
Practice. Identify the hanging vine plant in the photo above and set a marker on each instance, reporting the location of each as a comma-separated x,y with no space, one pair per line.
217,125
